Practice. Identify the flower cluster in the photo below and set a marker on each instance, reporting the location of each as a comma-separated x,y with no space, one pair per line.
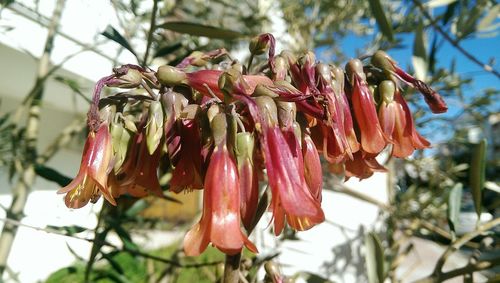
224,128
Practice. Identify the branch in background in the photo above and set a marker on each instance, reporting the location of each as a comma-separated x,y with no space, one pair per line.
152,28
460,242
453,42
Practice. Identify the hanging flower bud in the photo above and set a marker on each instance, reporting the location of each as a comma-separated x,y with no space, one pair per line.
132,78
312,167
120,139
381,60
154,127
171,76
249,183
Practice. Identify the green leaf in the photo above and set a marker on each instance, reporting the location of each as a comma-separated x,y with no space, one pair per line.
454,204
111,33
201,30
374,256
419,58
477,174
52,175
165,50
382,21
485,23
114,264
136,208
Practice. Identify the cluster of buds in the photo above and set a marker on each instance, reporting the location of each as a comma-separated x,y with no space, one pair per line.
226,129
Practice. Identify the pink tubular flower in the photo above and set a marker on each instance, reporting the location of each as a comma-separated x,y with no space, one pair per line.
291,197
397,122
95,166
372,137
362,167
187,172
249,182
220,221
312,167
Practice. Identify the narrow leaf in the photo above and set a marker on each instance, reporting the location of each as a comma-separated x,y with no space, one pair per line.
382,21
114,264
477,174
52,175
419,58
111,33
165,50
201,30
454,204
374,256
490,17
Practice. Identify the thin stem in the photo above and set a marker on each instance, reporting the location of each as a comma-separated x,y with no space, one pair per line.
249,64
453,42
152,27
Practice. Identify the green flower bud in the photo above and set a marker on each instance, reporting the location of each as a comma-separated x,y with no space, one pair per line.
154,130
219,128
129,123
355,66
245,144
286,113
258,46
386,90
268,108
382,61
261,90
170,76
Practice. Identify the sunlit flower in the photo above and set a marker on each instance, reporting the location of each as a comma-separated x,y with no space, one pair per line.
220,221
372,136
95,166
397,122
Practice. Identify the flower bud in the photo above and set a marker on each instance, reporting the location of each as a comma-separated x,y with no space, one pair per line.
324,71
386,90
258,46
197,59
129,123
286,113
171,76
289,57
219,128
120,139
244,146
268,108
355,66
154,131
228,80
280,68
382,61
261,90
131,79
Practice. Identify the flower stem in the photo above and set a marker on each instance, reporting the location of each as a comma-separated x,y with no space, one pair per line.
232,268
